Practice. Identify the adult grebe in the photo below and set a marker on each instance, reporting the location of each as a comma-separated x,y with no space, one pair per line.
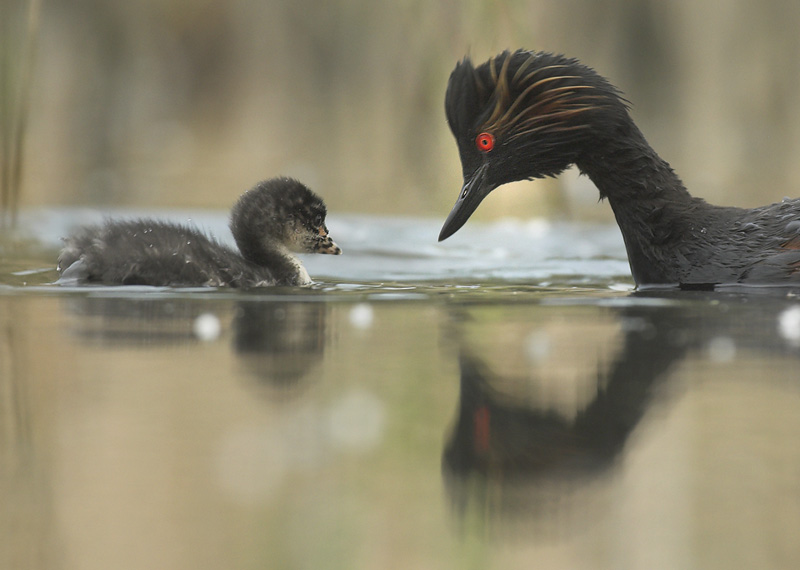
526,115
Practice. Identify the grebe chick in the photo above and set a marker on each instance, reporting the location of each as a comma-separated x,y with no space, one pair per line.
269,223
526,115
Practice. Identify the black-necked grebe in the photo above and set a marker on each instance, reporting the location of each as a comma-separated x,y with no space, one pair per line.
270,222
526,115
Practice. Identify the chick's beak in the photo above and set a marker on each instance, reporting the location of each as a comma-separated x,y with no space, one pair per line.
325,244
476,187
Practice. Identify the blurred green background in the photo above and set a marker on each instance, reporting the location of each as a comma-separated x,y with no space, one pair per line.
186,103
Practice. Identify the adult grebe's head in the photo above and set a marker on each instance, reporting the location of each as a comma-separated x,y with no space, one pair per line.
523,115
281,212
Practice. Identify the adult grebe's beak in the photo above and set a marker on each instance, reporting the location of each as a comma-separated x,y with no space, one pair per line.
476,187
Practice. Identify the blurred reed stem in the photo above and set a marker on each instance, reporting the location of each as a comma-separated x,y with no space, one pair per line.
17,59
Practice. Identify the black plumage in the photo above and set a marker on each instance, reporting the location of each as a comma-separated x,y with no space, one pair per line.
526,115
270,222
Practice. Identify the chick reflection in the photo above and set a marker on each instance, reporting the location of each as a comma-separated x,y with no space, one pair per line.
513,437
139,322
279,342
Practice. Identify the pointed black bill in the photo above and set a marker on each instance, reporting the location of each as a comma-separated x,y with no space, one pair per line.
475,189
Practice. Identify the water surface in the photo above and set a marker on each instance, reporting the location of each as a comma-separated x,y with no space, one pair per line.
502,400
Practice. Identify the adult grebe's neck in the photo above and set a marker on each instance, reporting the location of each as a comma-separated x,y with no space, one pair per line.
655,212
624,167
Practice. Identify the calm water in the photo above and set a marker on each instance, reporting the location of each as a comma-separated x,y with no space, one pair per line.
502,400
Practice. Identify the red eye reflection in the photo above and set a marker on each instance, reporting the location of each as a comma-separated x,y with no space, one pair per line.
485,142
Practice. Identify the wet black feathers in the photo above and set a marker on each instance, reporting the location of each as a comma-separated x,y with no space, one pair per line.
548,112
151,252
274,218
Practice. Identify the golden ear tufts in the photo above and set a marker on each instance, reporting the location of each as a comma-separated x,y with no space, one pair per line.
550,109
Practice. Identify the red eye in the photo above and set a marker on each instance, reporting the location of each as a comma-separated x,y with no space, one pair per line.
485,142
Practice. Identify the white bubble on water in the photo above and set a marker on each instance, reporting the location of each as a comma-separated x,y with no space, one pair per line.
356,421
207,327
789,325
537,346
361,316
721,349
